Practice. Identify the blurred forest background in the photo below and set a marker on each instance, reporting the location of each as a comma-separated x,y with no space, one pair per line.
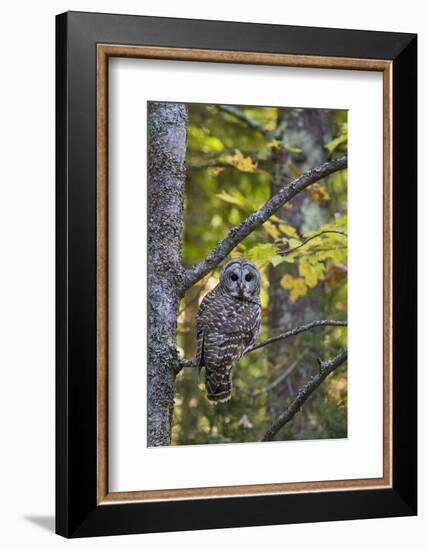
233,166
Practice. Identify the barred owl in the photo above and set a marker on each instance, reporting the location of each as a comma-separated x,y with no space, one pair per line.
227,324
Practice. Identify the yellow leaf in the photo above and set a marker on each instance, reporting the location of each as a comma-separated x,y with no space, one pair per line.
288,230
270,125
271,229
215,170
294,170
238,161
317,193
295,285
299,289
264,297
312,272
287,281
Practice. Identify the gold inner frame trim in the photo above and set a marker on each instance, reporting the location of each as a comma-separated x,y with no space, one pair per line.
104,51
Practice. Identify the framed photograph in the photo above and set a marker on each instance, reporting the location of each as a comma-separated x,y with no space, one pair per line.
236,274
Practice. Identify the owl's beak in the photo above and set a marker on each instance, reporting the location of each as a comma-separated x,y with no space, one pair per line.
241,289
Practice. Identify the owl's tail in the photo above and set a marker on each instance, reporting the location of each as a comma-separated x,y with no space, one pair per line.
218,384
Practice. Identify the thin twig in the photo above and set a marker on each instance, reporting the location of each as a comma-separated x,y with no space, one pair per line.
256,219
289,250
328,249
190,363
298,330
277,133
326,368
210,164
280,378
251,122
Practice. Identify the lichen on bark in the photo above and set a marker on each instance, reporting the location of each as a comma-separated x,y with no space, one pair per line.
167,126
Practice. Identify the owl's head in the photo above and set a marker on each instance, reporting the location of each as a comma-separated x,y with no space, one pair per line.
241,279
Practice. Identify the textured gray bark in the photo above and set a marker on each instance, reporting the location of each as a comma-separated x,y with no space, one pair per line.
167,125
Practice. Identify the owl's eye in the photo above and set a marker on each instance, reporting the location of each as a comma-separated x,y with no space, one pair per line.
248,277
234,277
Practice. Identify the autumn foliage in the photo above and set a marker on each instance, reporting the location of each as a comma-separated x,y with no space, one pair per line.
232,169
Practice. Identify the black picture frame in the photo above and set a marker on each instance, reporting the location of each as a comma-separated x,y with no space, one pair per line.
77,511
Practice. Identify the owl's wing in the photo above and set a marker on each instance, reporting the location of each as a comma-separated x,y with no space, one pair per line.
202,321
199,348
244,320
255,327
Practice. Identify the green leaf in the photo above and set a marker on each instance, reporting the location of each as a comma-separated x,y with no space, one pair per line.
336,142
235,198
292,149
199,140
263,254
274,143
234,216
342,222
292,243
276,260
289,258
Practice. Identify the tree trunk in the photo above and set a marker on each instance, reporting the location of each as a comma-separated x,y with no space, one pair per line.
307,129
167,125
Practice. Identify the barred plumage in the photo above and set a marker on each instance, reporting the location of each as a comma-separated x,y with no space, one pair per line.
228,322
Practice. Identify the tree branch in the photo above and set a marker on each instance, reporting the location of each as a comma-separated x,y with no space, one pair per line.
184,363
240,115
277,133
326,368
254,220
298,330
